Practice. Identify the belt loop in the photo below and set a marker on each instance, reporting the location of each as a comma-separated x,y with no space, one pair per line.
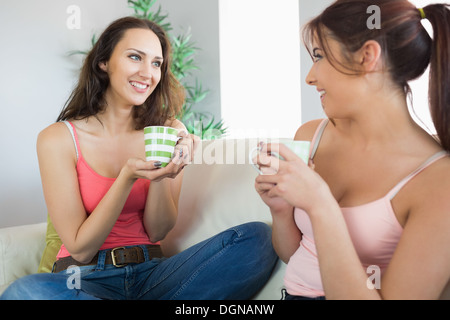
145,251
101,260
283,294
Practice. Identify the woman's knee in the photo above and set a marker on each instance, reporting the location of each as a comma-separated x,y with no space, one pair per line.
28,287
259,232
41,286
258,236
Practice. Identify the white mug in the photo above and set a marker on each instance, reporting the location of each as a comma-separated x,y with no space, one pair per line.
299,147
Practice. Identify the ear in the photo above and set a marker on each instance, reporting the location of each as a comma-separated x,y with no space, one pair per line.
369,55
103,65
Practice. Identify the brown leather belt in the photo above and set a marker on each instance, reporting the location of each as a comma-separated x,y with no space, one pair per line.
119,257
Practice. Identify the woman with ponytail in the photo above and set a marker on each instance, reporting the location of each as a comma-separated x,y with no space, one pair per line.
369,217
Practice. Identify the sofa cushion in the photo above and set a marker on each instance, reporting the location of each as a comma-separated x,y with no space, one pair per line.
217,193
53,244
21,249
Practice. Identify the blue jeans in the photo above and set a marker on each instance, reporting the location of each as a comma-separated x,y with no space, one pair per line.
234,264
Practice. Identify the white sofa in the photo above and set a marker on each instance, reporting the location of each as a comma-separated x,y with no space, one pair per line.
218,193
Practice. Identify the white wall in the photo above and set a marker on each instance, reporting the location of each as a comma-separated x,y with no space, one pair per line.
260,67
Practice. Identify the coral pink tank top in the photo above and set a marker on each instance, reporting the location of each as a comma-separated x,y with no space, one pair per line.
373,227
129,228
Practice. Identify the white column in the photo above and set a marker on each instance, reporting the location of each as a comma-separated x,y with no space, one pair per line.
260,67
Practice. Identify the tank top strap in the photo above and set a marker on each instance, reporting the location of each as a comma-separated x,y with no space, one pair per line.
316,138
427,163
73,132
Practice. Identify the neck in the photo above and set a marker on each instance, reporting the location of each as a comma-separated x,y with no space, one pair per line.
117,118
380,119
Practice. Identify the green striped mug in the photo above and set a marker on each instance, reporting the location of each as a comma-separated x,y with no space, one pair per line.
160,143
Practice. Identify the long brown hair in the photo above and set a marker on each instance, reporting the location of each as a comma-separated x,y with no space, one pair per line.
87,99
407,47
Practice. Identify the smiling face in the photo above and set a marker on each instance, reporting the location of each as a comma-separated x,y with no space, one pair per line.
134,69
339,92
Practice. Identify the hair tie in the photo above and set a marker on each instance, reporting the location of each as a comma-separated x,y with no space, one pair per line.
422,13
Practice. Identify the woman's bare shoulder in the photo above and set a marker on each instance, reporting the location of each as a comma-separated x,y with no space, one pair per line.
55,132
307,130
55,137
429,194
434,181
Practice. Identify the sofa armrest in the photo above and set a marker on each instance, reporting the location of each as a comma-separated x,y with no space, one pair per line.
21,249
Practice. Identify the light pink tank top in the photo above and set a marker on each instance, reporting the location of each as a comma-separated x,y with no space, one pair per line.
373,227
129,228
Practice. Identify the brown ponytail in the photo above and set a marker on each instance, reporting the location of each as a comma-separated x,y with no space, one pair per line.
439,84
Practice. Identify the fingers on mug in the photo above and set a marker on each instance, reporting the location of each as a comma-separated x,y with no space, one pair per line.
300,148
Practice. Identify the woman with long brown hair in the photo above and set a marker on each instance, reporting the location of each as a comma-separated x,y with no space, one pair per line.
110,207
372,209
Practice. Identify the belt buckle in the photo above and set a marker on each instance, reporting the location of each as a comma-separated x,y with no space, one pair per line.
114,257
